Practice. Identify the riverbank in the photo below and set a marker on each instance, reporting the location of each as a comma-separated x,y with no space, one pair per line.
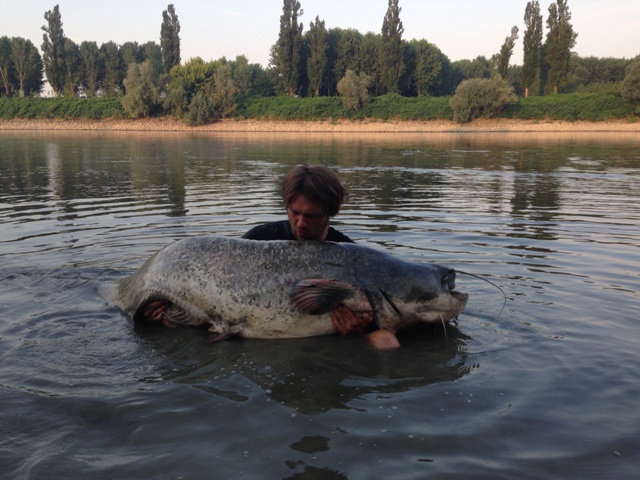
341,126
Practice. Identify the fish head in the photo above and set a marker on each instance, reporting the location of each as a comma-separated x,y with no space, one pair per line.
420,294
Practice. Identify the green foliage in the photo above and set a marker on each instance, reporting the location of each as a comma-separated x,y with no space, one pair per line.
631,85
560,40
571,107
170,38
394,106
53,50
392,65
200,110
318,61
532,45
427,63
144,88
479,97
223,96
113,69
72,67
91,67
390,106
26,66
506,51
354,90
286,54
60,107
289,108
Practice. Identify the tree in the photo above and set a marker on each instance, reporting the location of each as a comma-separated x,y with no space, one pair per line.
427,65
131,52
391,49
113,69
631,84
91,67
287,52
27,65
53,50
170,38
153,52
354,90
481,97
560,40
532,45
222,98
349,53
143,86
318,61
72,67
6,66
506,51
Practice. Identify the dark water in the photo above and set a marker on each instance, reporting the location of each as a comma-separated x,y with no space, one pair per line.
547,387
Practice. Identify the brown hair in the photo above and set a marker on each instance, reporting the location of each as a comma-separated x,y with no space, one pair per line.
316,183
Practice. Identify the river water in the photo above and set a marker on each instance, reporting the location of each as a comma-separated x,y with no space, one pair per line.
542,384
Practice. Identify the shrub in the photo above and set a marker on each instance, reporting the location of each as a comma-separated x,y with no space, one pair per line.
481,97
354,90
143,88
200,110
631,85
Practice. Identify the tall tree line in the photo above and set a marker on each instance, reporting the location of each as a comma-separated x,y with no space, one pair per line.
312,63
89,69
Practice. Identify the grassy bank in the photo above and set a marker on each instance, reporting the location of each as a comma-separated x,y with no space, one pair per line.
592,107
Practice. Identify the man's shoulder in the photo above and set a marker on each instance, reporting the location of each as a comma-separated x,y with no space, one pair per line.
278,230
335,236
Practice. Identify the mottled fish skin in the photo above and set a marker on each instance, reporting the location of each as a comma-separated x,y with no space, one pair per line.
285,289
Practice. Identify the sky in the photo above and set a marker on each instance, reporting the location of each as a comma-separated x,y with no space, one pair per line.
211,29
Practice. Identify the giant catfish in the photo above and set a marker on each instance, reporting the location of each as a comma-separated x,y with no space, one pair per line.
285,289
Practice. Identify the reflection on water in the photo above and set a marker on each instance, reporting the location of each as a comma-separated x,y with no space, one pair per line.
546,387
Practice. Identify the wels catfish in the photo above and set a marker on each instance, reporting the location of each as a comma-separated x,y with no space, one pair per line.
285,289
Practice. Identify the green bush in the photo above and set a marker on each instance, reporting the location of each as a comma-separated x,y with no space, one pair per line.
631,85
481,97
572,107
60,107
354,90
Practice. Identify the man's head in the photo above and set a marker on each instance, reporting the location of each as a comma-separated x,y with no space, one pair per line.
312,194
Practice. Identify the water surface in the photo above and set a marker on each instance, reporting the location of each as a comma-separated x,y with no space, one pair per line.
544,387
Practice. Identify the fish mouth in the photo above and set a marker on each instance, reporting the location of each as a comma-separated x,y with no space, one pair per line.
461,297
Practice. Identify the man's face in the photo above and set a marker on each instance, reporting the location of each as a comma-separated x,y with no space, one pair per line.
307,220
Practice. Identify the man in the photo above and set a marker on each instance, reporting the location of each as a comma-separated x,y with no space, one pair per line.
312,195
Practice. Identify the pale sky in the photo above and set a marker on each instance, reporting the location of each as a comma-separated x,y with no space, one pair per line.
462,29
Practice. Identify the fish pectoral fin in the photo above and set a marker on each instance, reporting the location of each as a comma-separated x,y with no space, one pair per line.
319,296
220,336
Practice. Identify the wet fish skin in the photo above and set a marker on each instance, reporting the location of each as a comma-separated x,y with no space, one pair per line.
285,289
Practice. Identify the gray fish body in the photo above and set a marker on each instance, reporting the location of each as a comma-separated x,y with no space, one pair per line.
282,289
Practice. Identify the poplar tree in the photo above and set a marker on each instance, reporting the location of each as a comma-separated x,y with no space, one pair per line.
53,50
170,38
287,52
73,67
506,51
113,69
6,65
560,40
91,67
27,65
427,66
532,45
318,60
391,49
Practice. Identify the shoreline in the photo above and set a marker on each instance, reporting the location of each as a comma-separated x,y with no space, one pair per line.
329,126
